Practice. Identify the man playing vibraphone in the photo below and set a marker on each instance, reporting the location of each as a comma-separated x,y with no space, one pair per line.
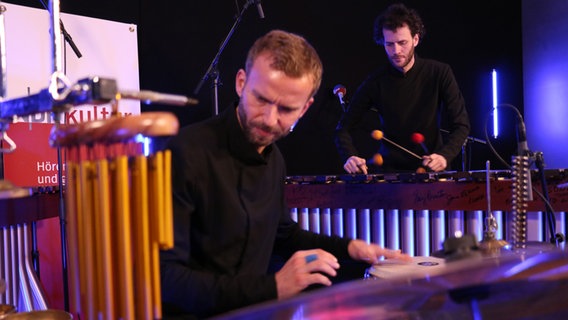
413,97
230,213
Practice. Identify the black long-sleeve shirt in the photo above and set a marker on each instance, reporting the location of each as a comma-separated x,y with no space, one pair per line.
230,215
419,101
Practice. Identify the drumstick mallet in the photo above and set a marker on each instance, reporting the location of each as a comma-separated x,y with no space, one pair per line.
378,135
418,138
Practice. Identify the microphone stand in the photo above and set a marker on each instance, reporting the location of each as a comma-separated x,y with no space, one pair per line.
466,151
66,35
213,71
555,238
465,148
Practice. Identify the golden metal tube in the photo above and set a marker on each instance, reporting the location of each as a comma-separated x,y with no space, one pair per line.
156,282
72,203
141,232
86,241
156,199
104,242
123,256
168,205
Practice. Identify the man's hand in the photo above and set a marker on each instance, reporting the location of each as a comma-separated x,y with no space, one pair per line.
355,165
305,268
371,253
435,162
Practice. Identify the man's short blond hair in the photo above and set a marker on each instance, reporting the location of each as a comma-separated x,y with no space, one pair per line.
290,53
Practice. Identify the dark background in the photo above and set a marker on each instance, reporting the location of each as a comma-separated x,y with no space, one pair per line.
178,39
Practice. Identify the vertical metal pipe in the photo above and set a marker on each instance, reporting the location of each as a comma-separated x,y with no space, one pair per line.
422,232
351,223
378,227
325,221
56,44
3,71
25,300
337,222
455,222
314,220
364,225
294,214
407,231
303,219
439,231
475,223
393,229
14,275
38,295
57,68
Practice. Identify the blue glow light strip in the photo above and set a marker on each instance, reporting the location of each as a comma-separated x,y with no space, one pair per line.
495,118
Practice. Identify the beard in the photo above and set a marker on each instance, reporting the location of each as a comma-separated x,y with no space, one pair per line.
405,62
256,132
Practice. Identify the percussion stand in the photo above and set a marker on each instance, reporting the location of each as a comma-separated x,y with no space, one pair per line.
213,71
62,216
555,238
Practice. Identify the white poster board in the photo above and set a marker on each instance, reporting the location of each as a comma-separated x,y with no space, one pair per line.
109,50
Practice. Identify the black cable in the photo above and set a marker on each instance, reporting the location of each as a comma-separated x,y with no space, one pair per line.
550,212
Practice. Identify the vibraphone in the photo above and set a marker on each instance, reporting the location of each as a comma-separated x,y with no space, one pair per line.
416,212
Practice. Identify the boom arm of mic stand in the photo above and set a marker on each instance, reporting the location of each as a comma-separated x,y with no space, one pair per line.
212,71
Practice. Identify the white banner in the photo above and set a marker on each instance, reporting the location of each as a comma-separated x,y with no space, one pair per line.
109,49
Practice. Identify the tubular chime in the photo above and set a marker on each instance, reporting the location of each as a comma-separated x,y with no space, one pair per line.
23,289
119,215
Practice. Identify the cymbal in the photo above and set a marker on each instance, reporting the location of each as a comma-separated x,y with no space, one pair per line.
515,285
50,314
10,191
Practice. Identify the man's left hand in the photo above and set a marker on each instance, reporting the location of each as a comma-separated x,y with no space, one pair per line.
435,162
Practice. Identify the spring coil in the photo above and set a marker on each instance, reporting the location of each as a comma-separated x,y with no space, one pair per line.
520,188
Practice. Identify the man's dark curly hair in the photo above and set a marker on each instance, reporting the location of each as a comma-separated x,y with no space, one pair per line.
394,17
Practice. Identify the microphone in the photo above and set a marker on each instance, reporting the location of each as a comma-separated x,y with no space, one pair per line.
259,9
521,162
522,145
339,91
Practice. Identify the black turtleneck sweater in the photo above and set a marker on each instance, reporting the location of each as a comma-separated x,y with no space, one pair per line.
420,101
230,215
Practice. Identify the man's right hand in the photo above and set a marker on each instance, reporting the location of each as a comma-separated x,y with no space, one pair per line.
355,165
305,268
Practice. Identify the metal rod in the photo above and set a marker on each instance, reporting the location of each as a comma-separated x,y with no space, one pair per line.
3,75
402,148
57,67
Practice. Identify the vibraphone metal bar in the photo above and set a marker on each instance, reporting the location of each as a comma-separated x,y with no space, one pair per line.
416,212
